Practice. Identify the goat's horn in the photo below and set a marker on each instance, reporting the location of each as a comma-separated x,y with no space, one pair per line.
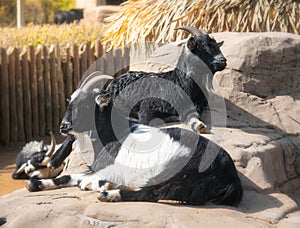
192,30
21,169
91,83
92,75
52,146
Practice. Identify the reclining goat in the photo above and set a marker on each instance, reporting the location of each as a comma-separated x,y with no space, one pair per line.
33,160
144,163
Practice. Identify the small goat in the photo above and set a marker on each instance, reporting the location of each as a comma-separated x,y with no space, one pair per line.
147,163
33,160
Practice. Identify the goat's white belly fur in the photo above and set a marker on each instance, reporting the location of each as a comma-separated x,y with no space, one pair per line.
148,157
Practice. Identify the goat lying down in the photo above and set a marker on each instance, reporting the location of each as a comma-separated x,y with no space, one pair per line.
33,160
146,163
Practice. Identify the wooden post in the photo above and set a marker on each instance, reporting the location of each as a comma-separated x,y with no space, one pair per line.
76,66
34,91
19,97
48,93
118,60
12,94
68,79
54,89
83,60
99,57
26,96
60,86
40,90
4,99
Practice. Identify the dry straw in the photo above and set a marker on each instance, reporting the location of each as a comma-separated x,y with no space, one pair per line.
154,20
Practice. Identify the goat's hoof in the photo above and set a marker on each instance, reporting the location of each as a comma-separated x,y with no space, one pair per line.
33,185
109,196
201,129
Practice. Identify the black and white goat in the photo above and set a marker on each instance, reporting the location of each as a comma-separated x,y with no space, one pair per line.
144,163
33,160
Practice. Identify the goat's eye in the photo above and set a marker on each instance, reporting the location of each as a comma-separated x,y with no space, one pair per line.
200,46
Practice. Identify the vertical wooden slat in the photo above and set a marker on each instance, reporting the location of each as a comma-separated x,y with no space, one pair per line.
68,78
5,128
109,63
26,95
48,93
19,97
100,59
118,60
76,66
54,88
34,91
126,59
88,54
91,58
99,49
40,90
12,94
60,86
83,59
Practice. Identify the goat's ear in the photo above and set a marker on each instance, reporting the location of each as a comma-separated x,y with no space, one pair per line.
102,99
191,43
220,44
41,145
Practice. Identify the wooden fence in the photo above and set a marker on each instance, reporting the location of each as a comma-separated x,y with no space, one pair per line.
35,83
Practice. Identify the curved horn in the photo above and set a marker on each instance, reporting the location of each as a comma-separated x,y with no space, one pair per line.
52,146
94,74
192,30
21,169
89,85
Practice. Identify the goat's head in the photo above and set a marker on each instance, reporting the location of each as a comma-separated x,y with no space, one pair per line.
80,114
33,159
206,48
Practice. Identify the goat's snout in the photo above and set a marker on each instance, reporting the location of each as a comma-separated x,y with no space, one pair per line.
65,127
219,63
222,60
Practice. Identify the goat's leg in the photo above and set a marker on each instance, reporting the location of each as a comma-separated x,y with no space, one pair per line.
62,153
34,185
146,194
192,120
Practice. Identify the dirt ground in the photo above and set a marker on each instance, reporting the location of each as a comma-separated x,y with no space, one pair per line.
7,166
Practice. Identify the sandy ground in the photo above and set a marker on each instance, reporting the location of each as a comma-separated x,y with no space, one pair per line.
7,166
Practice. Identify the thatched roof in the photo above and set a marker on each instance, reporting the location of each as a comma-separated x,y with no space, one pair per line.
154,20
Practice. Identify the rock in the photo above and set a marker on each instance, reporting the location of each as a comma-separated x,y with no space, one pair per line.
259,98
62,207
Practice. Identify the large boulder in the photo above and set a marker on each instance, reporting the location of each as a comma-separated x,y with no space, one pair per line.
261,89
259,95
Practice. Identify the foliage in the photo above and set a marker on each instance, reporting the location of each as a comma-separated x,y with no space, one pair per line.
35,11
62,35
154,20
8,12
